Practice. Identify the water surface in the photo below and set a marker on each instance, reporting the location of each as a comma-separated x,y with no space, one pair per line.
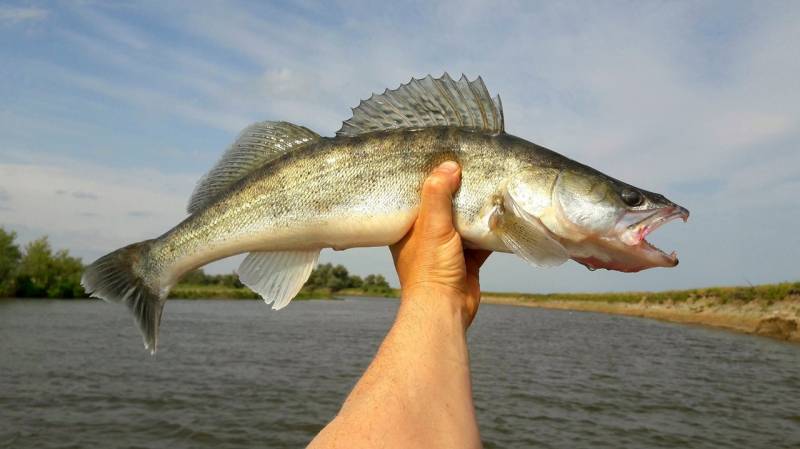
235,374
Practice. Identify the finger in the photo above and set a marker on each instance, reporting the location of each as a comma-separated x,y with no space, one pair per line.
436,208
395,248
477,256
474,259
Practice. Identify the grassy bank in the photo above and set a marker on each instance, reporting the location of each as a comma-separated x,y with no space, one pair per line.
188,291
191,291
382,293
771,310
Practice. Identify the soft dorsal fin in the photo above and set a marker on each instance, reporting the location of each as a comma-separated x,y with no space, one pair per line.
256,145
428,102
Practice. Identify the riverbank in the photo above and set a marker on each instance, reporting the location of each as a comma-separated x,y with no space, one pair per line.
771,310
200,292
190,291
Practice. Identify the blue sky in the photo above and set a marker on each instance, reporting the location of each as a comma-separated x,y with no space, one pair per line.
110,112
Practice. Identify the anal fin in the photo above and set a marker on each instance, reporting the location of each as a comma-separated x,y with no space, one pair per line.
279,275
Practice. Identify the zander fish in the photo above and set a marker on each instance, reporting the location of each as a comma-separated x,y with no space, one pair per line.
282,193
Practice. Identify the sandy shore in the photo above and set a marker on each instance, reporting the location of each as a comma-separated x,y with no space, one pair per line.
777,319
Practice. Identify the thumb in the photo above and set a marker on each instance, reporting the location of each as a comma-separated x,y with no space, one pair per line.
436,208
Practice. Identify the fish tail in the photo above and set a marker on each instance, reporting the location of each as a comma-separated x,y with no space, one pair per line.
117,277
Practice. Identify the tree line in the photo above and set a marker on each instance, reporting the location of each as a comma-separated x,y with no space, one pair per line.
37,271
326,277
335,278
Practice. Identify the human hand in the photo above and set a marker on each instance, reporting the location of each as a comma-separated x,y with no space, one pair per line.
431,260
417,391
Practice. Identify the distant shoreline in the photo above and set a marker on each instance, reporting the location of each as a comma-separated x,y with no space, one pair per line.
201,292
767,310
771,310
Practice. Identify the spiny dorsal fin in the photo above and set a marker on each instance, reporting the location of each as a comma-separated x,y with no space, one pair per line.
428,102
257,144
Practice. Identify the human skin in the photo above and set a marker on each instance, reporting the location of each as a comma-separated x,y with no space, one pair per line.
417,391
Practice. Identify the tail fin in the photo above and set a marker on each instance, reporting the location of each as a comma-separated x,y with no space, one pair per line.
115,278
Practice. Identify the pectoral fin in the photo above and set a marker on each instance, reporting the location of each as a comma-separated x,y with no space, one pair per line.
277,276
526,236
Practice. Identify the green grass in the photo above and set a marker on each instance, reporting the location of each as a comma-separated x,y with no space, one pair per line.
390,293
766,292
188,291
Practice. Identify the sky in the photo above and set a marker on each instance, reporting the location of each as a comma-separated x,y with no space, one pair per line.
111,111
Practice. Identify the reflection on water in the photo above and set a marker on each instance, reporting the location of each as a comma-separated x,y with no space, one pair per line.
235,374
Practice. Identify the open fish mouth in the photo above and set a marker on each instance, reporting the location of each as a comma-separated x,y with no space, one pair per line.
634,235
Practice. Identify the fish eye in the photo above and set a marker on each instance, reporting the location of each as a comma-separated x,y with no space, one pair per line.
632,197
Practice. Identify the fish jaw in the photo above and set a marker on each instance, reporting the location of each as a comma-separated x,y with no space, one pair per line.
628,251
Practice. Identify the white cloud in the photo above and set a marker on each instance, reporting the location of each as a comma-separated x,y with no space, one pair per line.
110,28
88,208
155,100
11,14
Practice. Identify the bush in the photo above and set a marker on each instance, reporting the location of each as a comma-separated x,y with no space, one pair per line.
333,278
42,274
9,260
199,277
376,283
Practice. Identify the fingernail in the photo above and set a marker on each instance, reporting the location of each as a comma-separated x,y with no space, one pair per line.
448,167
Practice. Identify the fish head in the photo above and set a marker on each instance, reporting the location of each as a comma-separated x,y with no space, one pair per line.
600,221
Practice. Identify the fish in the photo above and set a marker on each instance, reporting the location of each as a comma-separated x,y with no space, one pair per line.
281,193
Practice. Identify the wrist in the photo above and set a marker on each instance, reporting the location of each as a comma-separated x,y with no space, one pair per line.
435,301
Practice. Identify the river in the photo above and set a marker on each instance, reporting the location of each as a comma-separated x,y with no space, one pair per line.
234,374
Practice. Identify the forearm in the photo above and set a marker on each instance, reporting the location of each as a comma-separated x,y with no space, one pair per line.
417,391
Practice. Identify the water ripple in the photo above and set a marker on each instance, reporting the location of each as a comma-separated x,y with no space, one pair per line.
235,374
